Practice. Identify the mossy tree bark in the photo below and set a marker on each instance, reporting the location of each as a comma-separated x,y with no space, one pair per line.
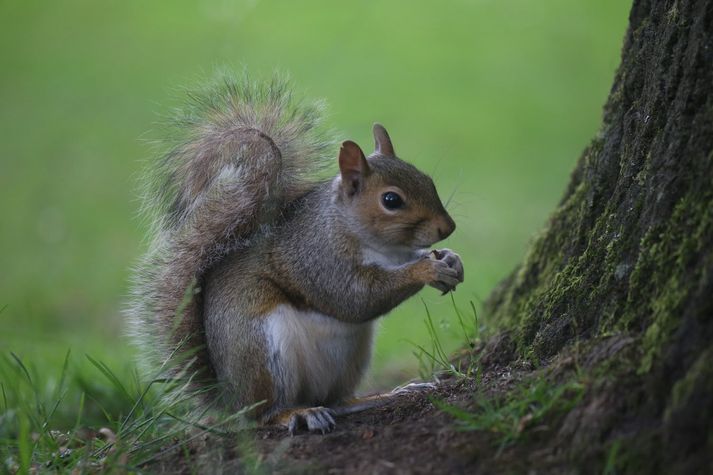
629,250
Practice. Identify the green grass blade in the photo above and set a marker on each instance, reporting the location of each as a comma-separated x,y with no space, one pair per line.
610,465
24,444
467,340
104,369
23,368
63,374
476,324
80,410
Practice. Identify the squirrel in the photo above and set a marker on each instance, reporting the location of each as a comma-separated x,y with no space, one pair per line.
268,275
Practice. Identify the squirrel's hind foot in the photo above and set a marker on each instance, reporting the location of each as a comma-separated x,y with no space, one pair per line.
315,419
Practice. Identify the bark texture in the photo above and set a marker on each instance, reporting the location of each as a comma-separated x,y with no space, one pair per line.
628,253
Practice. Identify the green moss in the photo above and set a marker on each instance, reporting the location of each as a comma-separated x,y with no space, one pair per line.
664,322
699,374
547,263
589,272
659,284
546,256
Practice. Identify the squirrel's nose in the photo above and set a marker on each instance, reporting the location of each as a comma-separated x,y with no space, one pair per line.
446,227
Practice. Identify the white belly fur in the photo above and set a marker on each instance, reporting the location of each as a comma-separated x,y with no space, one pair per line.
315,359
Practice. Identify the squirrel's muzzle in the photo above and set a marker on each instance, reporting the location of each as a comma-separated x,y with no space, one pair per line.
446,227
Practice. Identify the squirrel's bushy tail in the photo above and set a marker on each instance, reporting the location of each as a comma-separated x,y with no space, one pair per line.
243,151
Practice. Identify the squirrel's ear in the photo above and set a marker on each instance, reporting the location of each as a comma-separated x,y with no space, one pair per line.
353,167
382,141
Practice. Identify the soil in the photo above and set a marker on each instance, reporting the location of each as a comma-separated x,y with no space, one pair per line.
408,436
412,435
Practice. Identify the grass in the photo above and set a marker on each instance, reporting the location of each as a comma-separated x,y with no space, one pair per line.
147,421
507,416
610,466
436,359
525,407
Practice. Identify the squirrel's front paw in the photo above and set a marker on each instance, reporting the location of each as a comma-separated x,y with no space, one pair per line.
449,269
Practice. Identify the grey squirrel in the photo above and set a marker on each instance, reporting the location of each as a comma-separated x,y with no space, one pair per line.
268,275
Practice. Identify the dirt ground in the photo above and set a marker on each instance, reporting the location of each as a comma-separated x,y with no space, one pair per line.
412,435
408,436
606,421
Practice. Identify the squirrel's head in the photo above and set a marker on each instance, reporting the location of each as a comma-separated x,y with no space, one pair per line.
389,200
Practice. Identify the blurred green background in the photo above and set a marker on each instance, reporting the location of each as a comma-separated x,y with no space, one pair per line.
495,99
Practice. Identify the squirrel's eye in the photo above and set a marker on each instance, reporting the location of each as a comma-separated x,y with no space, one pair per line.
392,200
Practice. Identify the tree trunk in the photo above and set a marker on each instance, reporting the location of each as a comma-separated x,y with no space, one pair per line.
627,256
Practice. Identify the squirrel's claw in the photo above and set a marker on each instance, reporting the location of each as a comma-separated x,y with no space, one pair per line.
292,424
442,286
413,387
